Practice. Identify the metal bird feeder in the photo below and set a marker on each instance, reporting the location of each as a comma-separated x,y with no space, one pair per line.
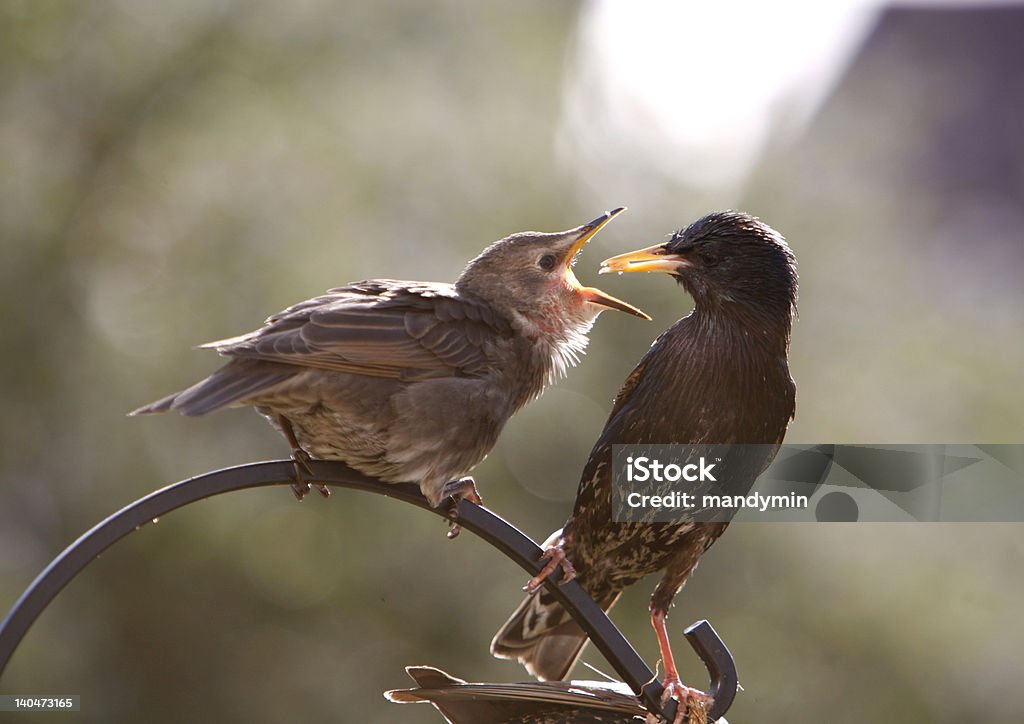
492,528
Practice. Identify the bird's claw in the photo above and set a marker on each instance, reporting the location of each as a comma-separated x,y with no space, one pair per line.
555,556
462,489
693,704
301,460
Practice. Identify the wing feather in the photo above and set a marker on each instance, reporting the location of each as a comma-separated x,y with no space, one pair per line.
381,328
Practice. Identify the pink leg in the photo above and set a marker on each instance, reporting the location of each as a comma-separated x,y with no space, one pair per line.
689,699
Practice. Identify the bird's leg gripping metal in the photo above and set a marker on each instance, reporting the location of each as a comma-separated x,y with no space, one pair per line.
301,460
718,660
462,489
555,556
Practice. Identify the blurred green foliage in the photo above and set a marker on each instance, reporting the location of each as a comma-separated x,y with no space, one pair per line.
172,173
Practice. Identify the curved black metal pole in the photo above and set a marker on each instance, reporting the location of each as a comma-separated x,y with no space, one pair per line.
493,529
725,681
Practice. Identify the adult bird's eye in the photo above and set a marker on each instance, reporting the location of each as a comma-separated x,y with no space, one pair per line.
707,259
547,262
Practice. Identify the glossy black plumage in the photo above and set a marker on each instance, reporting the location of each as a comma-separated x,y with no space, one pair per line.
720,375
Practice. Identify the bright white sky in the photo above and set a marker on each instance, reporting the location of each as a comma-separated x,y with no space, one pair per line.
698,86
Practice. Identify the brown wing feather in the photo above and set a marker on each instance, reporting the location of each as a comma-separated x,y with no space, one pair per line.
380,328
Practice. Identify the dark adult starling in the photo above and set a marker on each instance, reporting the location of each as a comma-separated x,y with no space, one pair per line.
413,381
718,376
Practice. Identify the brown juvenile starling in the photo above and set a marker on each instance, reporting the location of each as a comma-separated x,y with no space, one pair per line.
413,381
718,376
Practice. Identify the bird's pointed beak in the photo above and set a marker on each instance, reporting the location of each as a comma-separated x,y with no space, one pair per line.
596,296
592,294
589,231
655,258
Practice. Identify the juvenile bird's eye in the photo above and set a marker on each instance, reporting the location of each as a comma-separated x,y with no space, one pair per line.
547,262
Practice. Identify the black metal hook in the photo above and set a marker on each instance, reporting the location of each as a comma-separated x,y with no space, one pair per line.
720,665
492,528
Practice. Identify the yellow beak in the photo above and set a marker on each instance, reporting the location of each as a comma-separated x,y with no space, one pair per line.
590,231
593,294
596,296
650,259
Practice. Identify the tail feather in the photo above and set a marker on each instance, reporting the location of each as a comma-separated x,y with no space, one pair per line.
543,637
161,405
234,382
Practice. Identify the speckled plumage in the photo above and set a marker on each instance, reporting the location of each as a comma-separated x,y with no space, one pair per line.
718,376
413,381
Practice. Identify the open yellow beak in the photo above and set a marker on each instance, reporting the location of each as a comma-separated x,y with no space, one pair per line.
590,230
596,296
593,294
650,259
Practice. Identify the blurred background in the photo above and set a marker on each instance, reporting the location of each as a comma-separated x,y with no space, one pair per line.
173,173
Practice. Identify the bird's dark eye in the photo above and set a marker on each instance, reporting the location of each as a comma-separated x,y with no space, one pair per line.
707,259
547,262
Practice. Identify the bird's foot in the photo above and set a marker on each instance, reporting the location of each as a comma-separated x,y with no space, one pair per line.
301,460
693,704
555,556
462,489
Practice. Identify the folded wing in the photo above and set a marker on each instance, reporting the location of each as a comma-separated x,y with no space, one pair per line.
379,328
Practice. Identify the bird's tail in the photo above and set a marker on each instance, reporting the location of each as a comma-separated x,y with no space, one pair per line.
234,382
543,637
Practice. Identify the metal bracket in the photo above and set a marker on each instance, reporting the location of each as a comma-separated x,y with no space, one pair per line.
492,528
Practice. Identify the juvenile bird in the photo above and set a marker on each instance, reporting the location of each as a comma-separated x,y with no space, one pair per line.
413,381
718,376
